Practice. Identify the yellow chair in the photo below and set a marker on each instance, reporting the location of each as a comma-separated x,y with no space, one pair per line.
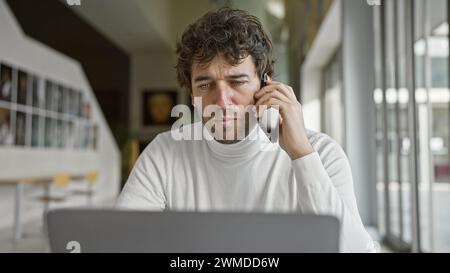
91,177
60,180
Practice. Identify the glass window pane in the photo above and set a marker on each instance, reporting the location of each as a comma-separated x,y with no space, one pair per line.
36,130
378,99
38,96
391,118
5,82
48,95
20,128
22,90
432,100
438,109
6,135
50,132
404,193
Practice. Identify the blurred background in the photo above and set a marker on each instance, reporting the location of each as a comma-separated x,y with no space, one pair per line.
85,85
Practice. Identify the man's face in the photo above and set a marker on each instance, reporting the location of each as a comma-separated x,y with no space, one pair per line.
231,89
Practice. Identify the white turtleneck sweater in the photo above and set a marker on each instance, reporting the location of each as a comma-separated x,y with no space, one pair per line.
251,175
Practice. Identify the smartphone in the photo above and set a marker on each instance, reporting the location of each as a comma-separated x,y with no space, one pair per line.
270,118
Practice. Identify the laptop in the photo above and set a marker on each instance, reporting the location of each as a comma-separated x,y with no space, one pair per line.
88,230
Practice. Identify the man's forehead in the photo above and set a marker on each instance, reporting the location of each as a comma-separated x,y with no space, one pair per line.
219,64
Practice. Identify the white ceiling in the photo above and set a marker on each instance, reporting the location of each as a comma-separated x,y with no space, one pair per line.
139,24
136,25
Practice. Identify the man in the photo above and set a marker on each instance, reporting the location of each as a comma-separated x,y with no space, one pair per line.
221,60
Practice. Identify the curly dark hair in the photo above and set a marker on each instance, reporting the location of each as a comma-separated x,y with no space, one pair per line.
231,32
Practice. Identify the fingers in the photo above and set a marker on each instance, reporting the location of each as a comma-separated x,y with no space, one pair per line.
271,101
279,95
276,86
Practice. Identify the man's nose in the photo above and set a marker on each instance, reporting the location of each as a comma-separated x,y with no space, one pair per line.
223,94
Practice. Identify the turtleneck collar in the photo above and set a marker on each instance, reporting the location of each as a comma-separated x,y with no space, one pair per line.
253,143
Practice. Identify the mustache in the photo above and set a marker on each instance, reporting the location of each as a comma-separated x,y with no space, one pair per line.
225,118
225,114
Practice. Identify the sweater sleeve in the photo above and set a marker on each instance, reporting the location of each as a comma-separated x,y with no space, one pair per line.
325,186
144,189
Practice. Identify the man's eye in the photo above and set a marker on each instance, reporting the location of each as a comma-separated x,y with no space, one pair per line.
238,82
204,87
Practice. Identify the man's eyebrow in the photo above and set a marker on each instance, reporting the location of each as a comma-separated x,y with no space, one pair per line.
238,76
207,78
201,78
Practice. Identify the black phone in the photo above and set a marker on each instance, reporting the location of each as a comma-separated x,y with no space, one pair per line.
264,80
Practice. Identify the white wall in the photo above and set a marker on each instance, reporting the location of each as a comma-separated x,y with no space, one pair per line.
348,27
22,52
325,44
359,84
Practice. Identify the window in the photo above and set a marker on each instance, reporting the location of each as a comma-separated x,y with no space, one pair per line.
43,113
